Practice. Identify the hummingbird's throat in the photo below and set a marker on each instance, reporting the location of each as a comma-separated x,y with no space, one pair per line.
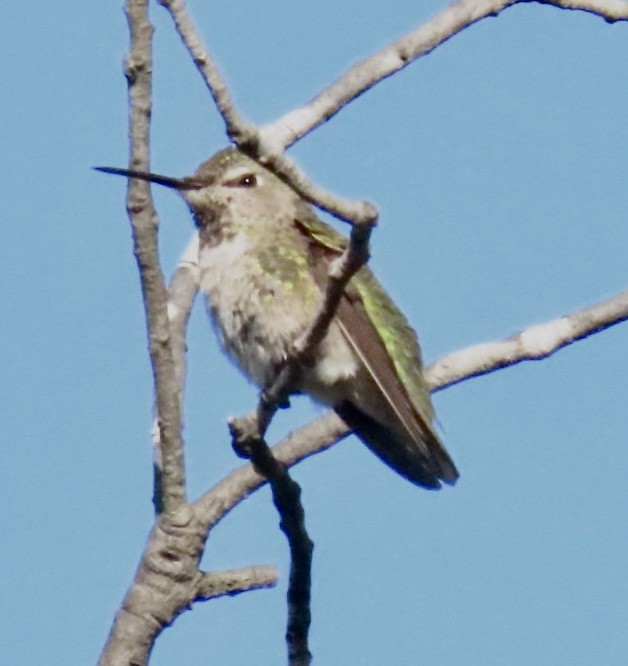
208,222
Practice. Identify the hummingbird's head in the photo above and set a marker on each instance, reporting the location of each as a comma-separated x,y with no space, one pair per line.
228,188
237,185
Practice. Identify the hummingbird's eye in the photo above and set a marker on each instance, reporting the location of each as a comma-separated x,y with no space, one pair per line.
245,180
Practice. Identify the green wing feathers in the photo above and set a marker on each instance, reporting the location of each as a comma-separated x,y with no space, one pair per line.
393,414
422,456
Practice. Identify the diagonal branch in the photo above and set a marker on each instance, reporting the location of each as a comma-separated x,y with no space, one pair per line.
272,157
362,76
532,344
286,493
340,272
248,433
238,128
315,437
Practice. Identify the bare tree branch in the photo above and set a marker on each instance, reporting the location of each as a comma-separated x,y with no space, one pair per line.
294,125
238,128
181,293
166,584
610,10
287,500
272,157
170,470
248,441
362,76
225,495
235,581
531,344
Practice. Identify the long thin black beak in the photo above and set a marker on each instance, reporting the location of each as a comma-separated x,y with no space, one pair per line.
166,181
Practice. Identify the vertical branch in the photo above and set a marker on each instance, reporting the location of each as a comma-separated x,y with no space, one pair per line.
248,443
287,499
170,475
181,293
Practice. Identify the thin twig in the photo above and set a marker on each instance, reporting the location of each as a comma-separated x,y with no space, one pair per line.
384,63
235,581
238,128
271,155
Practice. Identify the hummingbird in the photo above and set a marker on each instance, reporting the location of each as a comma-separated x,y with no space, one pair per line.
264,257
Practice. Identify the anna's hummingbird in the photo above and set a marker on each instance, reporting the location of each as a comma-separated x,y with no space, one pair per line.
264,258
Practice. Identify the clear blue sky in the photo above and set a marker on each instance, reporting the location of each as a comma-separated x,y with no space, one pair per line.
499,166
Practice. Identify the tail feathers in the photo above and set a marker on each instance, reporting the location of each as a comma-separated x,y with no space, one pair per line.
401,453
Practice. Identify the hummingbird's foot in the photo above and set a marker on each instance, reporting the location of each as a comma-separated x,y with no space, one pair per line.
244,436
268,401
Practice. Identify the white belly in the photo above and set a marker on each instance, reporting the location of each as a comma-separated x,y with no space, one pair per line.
258,318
